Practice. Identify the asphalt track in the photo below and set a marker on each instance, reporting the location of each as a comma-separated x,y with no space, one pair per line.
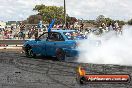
17,71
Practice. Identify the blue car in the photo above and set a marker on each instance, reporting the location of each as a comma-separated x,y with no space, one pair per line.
57,43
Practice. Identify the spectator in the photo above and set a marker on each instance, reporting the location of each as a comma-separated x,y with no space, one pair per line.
110,27
81,26
36,33
67,25
29,34
116,25
12,28
103,25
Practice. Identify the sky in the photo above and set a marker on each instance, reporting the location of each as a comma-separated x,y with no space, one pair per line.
11,10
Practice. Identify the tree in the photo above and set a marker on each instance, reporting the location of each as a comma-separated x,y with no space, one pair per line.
50,12
91,21
121,23
108,21
71,20
130,22
34,19
100,19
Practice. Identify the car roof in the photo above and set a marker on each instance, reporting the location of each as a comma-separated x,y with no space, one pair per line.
60,30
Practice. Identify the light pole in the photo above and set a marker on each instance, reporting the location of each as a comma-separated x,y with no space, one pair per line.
81,20
65,12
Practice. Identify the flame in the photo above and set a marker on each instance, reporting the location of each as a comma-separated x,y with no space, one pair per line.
81,71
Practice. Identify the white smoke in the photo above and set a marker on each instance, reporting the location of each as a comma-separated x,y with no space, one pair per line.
113,50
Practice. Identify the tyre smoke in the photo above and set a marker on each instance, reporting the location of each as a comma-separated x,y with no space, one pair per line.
114,49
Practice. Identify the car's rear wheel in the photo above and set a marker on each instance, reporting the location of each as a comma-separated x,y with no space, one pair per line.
60,55
29,52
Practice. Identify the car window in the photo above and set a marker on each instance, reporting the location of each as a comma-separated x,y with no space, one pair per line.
56,37
74,35
61,38
43,36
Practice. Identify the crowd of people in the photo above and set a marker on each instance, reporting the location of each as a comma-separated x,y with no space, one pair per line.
111,27
7,33
21,32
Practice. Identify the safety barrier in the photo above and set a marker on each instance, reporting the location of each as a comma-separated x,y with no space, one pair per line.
11,44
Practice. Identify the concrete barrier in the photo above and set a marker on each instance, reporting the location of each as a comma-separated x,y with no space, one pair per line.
12,44
11,48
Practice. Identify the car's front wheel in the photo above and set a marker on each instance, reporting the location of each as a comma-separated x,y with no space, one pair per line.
29,53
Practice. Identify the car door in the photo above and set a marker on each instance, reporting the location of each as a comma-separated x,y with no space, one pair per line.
55,41
41,43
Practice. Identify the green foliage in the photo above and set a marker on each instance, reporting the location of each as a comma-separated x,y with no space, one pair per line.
71,20
108,21
34,19
91,22
101,19
47,13
130,22
50,12
120,22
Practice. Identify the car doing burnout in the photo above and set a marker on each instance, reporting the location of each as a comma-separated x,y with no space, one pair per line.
59,43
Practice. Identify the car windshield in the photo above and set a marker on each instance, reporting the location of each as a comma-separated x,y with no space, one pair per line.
74,35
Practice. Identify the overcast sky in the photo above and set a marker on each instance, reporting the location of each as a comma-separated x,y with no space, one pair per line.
86,9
